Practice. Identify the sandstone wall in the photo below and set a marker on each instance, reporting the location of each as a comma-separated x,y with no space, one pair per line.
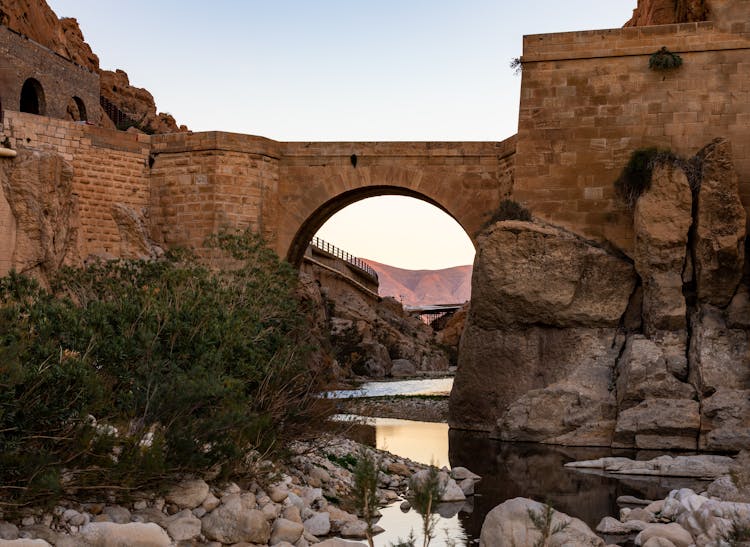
204,182
61,80
109,176
588,99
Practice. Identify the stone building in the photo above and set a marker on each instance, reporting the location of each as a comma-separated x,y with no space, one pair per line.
37,80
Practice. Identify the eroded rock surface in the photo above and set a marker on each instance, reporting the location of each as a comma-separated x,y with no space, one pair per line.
567,343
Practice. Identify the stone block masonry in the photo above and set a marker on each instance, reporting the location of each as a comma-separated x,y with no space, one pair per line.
60,79
109,168
588,99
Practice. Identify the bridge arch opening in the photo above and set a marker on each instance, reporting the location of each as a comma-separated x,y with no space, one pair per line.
311,226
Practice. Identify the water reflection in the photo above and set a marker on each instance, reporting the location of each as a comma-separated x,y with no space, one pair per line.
427,386
508,470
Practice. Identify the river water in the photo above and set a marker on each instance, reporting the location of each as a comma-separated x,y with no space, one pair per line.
508,470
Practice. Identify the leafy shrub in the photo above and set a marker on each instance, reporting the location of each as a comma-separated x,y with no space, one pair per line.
193,366
508,210
635,177
664,60
516,65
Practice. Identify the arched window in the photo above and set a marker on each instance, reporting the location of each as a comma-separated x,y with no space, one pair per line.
77,110
32,97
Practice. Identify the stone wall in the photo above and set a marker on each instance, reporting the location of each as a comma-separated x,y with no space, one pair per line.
109,176
588,99
60,79
468,180
204,182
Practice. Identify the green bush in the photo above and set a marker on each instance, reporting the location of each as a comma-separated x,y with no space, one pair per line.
193,366
635,177
664,60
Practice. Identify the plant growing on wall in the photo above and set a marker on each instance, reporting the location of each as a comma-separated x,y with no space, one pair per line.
516,65
664,60
508,210
635,177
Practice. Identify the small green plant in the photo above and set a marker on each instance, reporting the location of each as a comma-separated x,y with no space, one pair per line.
424,494
347,461
410,541
542,521
508,210
365,488
664,60
516,65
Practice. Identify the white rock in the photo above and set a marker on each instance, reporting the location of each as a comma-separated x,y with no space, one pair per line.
132,534
510,524
210,503
461,473
672,531
183,525
188,494
319,524
278,493
356,529
335,542
658,542
285,530
8,530
235,521
118,514
610,525
23,543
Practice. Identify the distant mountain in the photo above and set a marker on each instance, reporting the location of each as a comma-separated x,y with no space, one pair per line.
424,287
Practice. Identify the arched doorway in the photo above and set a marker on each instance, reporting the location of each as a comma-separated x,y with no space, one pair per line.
77,110
32,97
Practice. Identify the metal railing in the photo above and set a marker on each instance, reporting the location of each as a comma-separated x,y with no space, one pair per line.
343,255
119,118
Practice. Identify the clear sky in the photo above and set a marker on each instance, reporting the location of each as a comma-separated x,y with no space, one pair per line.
337,70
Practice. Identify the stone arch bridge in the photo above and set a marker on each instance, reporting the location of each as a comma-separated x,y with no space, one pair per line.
203,182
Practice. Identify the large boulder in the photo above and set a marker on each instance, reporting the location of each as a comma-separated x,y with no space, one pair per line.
528,274
543,317
521,521
498,367
133,534
719,242
661,221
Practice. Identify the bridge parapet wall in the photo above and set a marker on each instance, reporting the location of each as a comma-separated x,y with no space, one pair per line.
588,99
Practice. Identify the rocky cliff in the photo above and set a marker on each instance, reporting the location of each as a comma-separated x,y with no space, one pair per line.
36,20
664,12
569,343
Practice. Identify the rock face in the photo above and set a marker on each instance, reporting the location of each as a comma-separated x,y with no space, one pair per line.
35,19
368,335
664,12
39,189
566,343
535,319
135,102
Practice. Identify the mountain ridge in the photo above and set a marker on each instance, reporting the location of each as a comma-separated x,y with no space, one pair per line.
424,287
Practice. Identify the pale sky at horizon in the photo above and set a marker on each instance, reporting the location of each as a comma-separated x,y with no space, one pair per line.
337,70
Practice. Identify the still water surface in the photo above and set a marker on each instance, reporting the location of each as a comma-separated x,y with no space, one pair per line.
508,470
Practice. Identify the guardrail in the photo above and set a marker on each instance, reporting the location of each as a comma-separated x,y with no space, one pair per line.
343,255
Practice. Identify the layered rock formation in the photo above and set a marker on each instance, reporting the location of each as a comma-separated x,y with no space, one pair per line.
568,343
36,20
